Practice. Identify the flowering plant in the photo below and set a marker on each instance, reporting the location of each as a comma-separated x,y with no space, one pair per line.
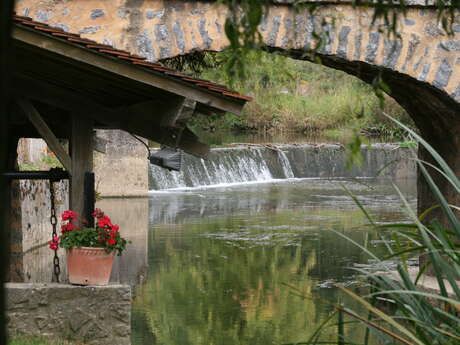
103,235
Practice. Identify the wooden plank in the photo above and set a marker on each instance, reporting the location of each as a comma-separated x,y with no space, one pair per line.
81,146
24,86
46,133
172,112
92,58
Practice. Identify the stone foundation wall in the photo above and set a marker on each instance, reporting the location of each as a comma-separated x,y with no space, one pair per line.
96,315
122,171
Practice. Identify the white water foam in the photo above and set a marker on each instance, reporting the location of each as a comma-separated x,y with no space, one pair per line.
232,184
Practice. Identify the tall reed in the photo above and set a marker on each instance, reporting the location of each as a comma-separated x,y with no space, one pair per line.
398,310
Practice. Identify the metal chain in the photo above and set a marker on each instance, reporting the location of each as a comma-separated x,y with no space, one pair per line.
53,220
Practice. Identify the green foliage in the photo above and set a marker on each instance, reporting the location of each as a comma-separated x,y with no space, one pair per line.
91,237
51,161
298,96
354,155
242,26
47,161
85,237
408,144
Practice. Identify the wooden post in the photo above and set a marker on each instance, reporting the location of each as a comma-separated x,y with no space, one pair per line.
6,10
89,198
81,145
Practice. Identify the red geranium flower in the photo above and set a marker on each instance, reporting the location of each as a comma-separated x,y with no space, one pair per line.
104,221
54,243
67,227
98,213
69,215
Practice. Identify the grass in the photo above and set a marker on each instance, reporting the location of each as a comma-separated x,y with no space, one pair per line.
299,96
28,340
47,161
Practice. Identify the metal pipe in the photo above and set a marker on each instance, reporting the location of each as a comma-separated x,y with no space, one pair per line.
37,175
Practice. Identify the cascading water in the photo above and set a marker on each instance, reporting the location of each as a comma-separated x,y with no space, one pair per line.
287,169
259,163
224,166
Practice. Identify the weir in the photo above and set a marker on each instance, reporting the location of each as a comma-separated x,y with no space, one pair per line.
265,163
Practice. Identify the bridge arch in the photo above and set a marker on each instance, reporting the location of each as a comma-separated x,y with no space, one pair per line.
422,67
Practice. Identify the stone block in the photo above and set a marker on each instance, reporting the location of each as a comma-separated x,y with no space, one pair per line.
95,315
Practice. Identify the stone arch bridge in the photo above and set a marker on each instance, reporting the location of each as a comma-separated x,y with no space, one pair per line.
422,67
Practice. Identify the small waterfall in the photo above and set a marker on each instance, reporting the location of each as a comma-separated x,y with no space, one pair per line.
224,166
251,164
287,169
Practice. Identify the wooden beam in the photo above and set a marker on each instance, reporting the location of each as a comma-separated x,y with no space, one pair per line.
46,133
122,68
81,146
142,119
186,112
189,143
170,115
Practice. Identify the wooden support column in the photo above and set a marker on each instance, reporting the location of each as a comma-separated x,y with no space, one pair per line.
81,144
6,10
5,195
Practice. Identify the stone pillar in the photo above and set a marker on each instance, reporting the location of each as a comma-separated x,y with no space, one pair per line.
16,267
122,171
447,144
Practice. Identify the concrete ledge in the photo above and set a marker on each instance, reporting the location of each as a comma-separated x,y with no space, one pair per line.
96,315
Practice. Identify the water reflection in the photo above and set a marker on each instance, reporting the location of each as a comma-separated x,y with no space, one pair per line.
218,260
132,217
227,137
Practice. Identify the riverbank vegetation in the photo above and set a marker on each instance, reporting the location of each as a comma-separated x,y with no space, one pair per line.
27,340
399,309
301,97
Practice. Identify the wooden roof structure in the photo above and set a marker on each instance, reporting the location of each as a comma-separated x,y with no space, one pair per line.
63,74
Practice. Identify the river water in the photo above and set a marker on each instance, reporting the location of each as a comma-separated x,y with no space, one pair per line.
220,260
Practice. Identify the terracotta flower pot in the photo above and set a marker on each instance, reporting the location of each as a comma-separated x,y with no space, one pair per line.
89,266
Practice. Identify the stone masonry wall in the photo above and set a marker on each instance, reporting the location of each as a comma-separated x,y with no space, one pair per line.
159,29
96,315
122,171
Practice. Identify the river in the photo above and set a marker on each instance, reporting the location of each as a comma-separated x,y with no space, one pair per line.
220,260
